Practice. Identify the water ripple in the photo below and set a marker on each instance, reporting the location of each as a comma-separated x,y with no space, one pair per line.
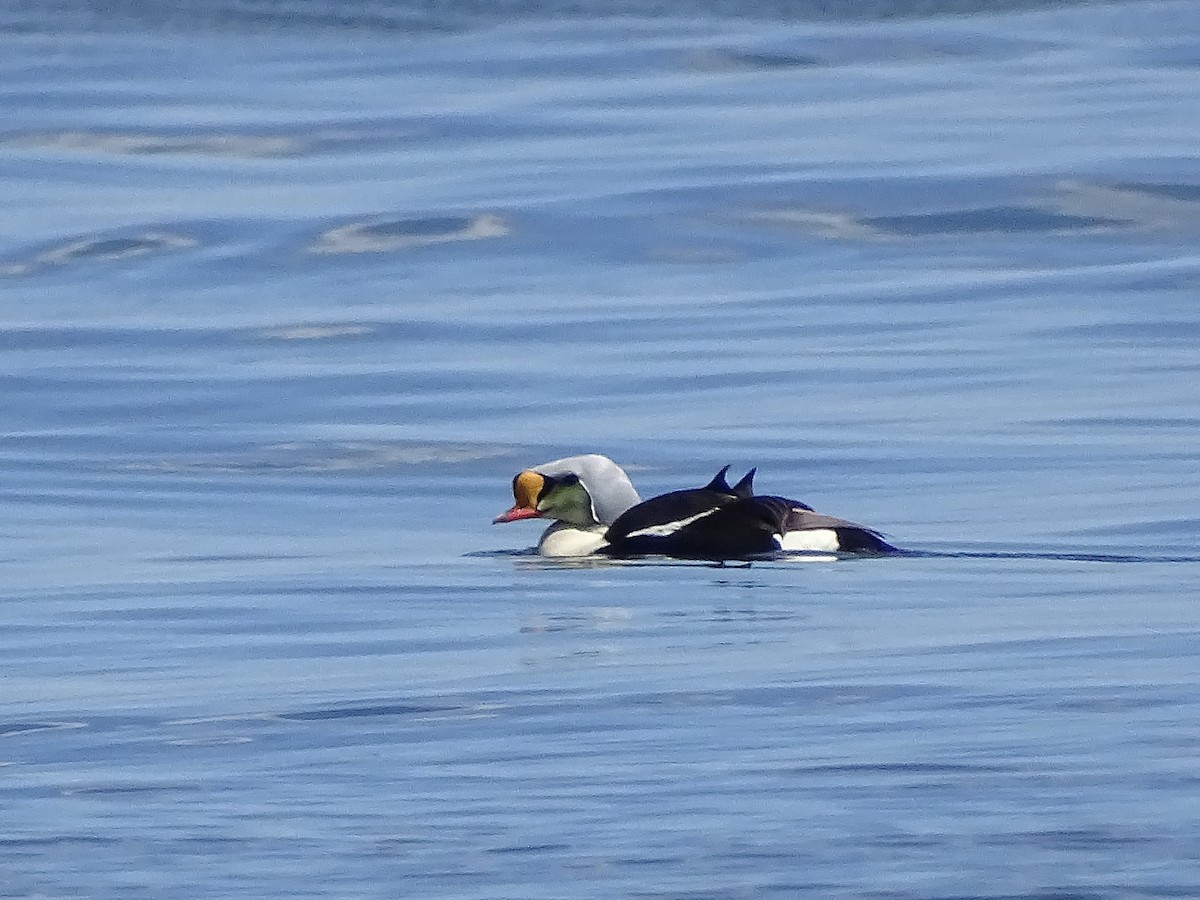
100,249
400,234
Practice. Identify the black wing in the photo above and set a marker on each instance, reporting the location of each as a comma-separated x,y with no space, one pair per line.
666,510
740,528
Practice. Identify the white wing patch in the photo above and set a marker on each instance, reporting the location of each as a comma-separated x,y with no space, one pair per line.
666,529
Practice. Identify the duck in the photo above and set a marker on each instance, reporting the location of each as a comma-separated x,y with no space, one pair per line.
594,509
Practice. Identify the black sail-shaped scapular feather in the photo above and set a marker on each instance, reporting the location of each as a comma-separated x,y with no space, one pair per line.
719,484
745,487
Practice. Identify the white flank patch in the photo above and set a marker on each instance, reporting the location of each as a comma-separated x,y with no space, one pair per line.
810,539
669,528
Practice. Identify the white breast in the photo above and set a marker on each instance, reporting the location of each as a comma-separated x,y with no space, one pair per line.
561,539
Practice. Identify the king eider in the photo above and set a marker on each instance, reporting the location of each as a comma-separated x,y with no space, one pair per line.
595,510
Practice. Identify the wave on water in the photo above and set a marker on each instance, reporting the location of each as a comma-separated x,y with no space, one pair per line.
529,558
1077,207
99,249
420,16
1052,556
400,234
118,143
12,729
352,457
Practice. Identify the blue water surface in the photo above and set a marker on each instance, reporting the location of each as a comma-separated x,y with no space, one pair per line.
290,291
